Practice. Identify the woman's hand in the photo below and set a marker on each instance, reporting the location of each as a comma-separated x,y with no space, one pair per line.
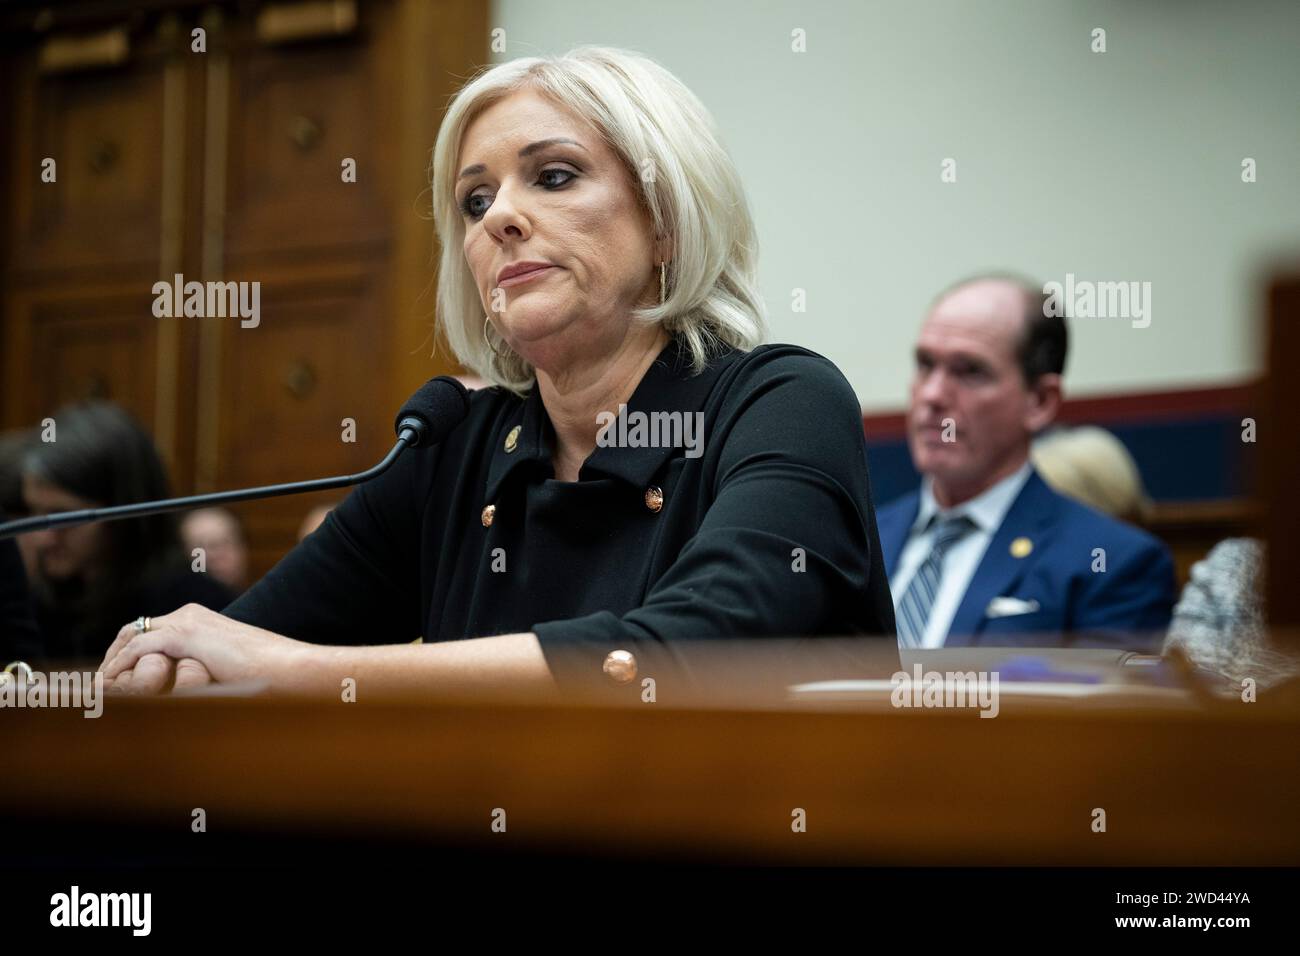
205,647
159,674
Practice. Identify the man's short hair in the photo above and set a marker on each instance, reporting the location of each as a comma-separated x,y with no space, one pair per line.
1045,340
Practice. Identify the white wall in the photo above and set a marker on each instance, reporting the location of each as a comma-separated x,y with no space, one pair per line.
1116,166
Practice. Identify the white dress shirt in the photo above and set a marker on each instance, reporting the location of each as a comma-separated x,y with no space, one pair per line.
986,510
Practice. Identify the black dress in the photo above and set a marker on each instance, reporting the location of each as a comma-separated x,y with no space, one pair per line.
763,528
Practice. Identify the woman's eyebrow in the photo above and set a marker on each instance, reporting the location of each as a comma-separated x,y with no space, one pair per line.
525,152
543,143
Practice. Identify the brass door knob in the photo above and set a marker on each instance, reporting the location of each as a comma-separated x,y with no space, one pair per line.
300,380
103,156
305,132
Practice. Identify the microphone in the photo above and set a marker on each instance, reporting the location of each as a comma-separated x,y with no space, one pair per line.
437,407
428,417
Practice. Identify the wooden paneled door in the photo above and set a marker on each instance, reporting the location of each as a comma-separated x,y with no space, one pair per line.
226,165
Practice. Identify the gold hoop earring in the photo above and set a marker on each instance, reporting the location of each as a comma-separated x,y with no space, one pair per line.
487,339
663,282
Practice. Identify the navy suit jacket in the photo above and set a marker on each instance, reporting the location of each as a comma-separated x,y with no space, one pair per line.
1127,605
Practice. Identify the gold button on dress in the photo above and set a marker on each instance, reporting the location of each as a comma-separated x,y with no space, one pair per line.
620,667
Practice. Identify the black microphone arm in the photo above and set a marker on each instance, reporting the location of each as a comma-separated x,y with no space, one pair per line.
142,508
432,412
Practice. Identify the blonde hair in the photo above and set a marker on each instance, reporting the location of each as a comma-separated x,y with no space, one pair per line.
1091,465
688,186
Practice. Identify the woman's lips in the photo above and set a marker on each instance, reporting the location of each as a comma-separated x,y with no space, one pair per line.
523,277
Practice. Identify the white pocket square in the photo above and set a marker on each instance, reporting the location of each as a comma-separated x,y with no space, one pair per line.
1009,607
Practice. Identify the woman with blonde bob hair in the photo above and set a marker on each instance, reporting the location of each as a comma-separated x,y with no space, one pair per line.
641,476
679,171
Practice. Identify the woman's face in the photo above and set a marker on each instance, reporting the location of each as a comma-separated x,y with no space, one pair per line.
537,184
57,554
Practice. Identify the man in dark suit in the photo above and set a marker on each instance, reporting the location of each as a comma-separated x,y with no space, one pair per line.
986,553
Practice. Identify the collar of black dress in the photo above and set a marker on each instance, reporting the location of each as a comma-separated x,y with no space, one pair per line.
669,385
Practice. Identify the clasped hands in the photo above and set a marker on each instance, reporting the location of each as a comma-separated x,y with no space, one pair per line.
192,647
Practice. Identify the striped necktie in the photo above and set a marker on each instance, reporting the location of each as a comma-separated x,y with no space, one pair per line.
914,609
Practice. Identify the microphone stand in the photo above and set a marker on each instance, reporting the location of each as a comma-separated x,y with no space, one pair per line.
407,437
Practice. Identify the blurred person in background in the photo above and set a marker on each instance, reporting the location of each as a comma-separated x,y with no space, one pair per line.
1091,465
314,519
13,445
88,578
985,553
1219,622
221,536
18,638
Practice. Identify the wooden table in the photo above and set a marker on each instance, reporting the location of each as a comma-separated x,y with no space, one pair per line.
1198,783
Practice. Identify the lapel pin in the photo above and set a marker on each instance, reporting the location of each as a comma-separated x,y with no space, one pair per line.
1021,547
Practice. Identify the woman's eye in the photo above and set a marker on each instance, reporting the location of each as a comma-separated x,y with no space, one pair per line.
475,205
552,183
470,206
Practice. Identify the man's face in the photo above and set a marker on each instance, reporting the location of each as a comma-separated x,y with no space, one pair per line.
60,553
216,533
971,414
